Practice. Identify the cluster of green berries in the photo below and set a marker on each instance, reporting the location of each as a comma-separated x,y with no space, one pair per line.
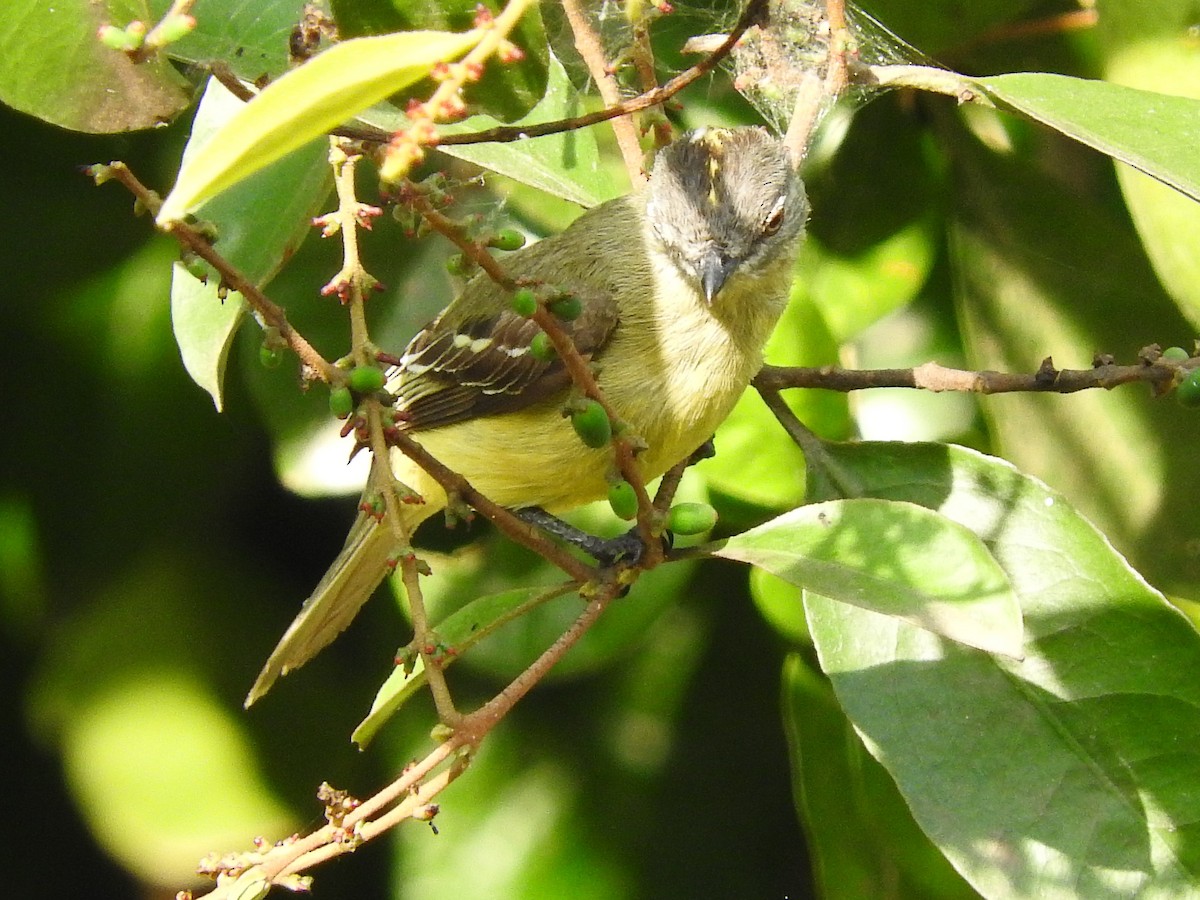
362,381
133,37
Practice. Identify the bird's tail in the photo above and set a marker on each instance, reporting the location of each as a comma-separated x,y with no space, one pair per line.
349,583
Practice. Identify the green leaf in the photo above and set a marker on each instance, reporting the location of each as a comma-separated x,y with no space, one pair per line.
458,632
306,103
204,327
260,223
566,165
897,559
53,66
1155,133
1168,223
863,839
1072,773
250,38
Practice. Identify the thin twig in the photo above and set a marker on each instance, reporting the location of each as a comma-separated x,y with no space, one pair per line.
193,241
352,283
508,133
587,42
482,720
405,148
456,485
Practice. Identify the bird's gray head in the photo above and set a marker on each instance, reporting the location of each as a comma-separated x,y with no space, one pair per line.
725,201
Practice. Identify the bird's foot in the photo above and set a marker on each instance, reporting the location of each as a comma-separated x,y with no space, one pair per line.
626,549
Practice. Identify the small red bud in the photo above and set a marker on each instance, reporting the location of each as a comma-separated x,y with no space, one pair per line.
508,52
483,16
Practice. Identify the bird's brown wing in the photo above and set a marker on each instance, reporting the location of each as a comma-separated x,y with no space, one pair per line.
459,369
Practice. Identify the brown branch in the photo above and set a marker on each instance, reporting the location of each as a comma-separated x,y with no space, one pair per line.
481,721
507,133
195,242
836,77
813,94
223,72
456,485
1047,26
934,377
587,42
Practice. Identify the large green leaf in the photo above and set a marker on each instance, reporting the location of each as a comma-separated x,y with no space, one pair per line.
53,66
861,835
260,222
1158,134
897,559
306,103
1072,773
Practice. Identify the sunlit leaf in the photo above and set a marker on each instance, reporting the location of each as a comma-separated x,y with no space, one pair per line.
1071,773
506,90
897,559
305,104
862,837
1169,223
1043,272
1158,134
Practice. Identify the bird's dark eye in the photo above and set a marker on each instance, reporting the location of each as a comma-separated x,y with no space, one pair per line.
774,221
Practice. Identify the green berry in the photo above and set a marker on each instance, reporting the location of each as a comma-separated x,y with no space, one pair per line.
457,265
567,308
691,518
524,303
174,28
1188,392
1175,354
366,379
623,499
507,239
116,39
541,347
592,425
270,357
341,402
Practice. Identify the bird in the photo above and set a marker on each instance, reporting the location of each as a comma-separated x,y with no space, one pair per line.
681,285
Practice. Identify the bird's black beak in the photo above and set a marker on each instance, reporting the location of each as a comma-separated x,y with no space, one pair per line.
714,268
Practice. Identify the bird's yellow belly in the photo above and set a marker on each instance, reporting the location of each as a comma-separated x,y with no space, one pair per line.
534,458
